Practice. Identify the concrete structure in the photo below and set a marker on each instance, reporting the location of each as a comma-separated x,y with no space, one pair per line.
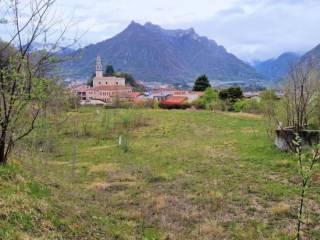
285,137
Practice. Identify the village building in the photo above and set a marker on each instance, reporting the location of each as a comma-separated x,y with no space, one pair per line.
164,94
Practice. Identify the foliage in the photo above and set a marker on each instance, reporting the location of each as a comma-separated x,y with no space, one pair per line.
109,71
201,83
251,105
208,101
163,105
90,80
268,95
131,81
230,96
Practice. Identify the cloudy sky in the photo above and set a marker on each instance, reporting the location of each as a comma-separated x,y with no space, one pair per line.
251,29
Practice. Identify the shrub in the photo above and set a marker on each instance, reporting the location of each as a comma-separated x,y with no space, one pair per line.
248,105
174,106
230,96
208,101
199,103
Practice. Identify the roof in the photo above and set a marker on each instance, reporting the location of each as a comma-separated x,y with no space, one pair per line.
112,78
135,94
175,100
111,88
199,94
81,88
251,94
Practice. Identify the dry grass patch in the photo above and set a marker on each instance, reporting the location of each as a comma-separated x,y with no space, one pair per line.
114,186
95,149
243,115
283,163
280,209
104,167
209,229
160,203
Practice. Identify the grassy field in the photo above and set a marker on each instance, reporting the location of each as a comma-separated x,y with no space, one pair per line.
181,175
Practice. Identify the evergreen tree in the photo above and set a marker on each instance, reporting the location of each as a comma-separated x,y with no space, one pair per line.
90,80
201,84
109,71
131,81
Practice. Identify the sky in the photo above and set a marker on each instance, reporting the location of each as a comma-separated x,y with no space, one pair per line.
250,29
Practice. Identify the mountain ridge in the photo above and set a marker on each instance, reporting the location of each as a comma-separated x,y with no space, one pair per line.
152,53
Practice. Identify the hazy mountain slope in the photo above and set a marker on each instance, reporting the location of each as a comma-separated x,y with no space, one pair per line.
275,69
312,56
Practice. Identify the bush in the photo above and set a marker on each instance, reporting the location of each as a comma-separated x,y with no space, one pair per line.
199,103
248,105
174,106
208,101
230,96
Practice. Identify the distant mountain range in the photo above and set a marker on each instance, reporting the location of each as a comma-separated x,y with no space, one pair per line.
276,68
152,53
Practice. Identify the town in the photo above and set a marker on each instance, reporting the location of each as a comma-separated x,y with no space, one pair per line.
108,90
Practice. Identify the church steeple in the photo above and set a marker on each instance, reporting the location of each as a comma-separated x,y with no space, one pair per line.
99,71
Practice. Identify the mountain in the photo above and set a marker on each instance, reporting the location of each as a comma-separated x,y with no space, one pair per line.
59,50
277,68
312,56
152,53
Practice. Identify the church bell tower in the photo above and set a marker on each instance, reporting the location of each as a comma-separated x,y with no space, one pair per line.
99,71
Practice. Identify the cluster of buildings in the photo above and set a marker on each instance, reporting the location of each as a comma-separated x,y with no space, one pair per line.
104,90
107,90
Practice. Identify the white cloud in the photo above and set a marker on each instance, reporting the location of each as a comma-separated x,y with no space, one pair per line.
252,29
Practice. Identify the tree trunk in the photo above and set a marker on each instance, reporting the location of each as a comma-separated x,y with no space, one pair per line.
3,159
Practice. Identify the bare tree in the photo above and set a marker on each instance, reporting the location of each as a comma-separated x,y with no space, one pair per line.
300,94
25,74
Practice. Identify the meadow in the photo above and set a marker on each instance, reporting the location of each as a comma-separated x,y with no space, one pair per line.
171,175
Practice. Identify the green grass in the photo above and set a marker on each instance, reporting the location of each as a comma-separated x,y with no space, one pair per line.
182,175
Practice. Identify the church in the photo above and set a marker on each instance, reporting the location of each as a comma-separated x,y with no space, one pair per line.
105,89
100,80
